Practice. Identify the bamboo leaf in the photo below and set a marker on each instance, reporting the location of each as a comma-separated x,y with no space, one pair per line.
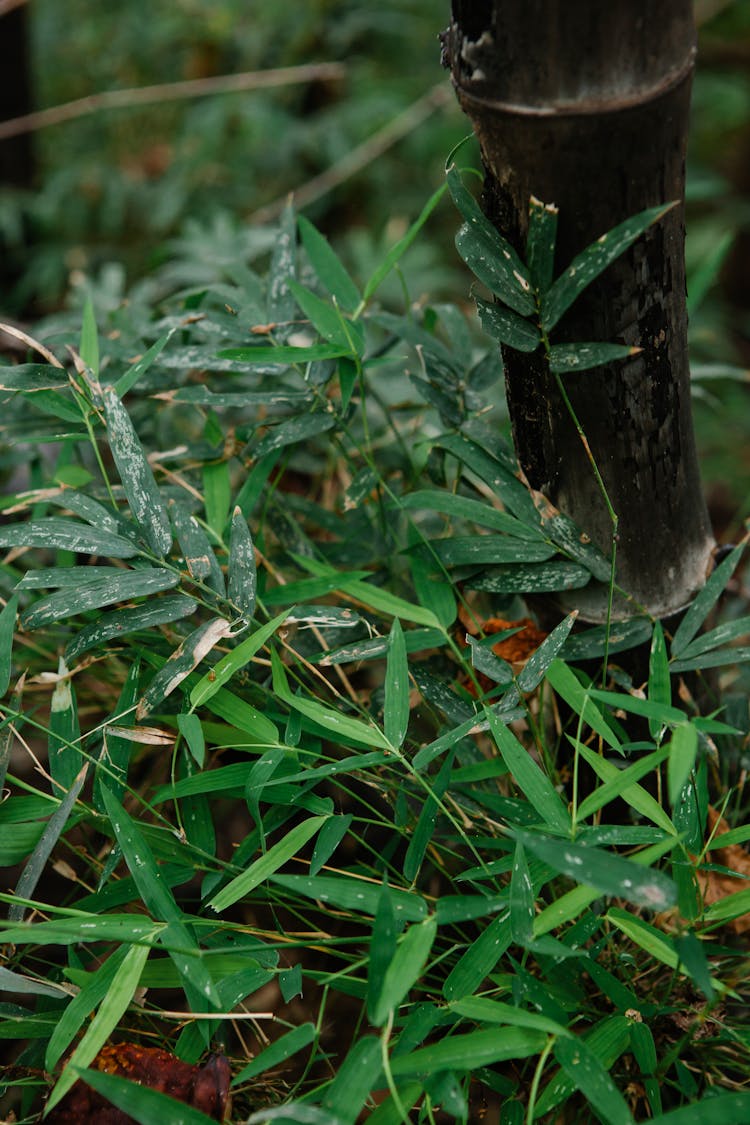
140,1103
540,243
127,381
64,739
328,267
281,303
569,688
481,957
534,784
111,1010
243,579
181,663
564,358
589,1075
405,968
530,578
396,705
397,252
521,898
223,671
278,1052
467,1052
323,316
592,261
89,345
93,595
683,748
80,1007
699,610
135,472
508,327
329,838
7,631
195,547
426,823
482,550
535,669
606,871
385,931
302,428
67,535
349,893
267,864
462,507
489,250
285,355
659,685
633,794
718,1109
120,622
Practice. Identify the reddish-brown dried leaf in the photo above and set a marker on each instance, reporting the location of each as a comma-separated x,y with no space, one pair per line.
516,650
203,1087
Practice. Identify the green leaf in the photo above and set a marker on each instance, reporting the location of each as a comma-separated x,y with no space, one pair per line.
190,728
93,595
355,1077
655,942
349,893
721,1109
127,381
243,579
111,1009
330,271
385,931
181,663
481,957
693,959
195,547
67,535
425,826
632,793
405,968
323,316
587,1073
7,631
281,303
397,252
592,261
337,725
508,327
484,1010
81,1005
120,622
267,864
564,358
285,354
659,684
467,1052
620,783
329,838
530,578
64,740
699,609
141,1103
473,510
683,748
396,705
33,377
721,635
135,472
521,898
483,550
535,669
223,671
277,1052
534,784
489,251
89,346
568,687
302,428
608,872
540,243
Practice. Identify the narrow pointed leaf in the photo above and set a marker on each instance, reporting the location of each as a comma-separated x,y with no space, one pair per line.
133,374
93,595
405,968
589,1075
195,547
540,243
64,741
397,252
328,267
243,579
67,535
508,327
7,630
485,242
322,315
135,472
659,685
569,688
481,957
281,304
699,610
683,748
278,1052
181,663
531,780
349,893
521,898
80,1007
121,622
301,428
425,825
396,706
535,669
139,1102
467,1052
89,345
607,872
223,671
111,1010
565,358
267,864
285,354
385,931
592,261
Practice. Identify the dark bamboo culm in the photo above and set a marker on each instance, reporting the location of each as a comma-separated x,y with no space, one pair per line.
585,105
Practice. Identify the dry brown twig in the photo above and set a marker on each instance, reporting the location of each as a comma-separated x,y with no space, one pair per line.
169,91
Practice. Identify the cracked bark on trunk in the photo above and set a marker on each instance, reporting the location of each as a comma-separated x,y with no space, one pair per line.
586,106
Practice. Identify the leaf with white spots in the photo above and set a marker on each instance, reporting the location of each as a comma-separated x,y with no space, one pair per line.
587,1073
182,662
135,472
242,572
606,871
508,327
93,595
565,358
540,243
67,535
592,261
396,710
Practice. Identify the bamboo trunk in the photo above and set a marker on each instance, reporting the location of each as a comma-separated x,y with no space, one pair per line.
586,106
